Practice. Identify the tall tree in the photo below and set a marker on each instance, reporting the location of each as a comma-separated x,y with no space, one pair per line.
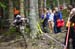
11,15
22,8
45,3
40,5
27,8
22,14
42,1
72,2
33,17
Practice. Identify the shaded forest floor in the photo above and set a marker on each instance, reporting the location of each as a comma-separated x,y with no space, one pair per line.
41,43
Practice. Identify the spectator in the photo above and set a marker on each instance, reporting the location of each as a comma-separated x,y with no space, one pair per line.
51,20
71,30
57,15
45,17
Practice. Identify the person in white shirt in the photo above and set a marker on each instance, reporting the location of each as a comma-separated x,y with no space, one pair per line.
51,20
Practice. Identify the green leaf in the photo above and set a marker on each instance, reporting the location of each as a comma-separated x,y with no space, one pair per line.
2,5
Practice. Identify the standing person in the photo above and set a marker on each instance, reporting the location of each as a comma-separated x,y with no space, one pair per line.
72,29
51,20
69,8
57,15
68,11
45,17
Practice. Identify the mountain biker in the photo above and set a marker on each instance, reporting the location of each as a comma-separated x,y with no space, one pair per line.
17,20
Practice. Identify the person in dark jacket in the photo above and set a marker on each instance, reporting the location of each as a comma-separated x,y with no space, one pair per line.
71,30
57,15
45,16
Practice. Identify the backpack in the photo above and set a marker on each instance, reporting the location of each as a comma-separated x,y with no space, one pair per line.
60,23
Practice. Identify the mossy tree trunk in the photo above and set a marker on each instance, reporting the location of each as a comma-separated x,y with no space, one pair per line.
33,17
11,15
22,8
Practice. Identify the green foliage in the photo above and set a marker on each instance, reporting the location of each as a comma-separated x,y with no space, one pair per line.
27,30
11,31
65,14
2,5
2,23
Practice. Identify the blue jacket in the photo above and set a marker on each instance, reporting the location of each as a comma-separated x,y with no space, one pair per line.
47,16
57,15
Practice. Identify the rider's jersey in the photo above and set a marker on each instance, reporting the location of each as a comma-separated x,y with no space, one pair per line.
17,20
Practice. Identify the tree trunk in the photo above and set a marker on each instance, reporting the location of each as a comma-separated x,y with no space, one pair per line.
72,2
58,3
41,3
44,3
22,8
33,17
64,4
11,15
26,8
